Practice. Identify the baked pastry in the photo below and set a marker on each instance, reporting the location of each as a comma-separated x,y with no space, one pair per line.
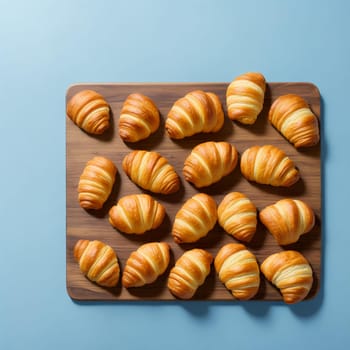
197,112
245,97
268,165
136,213
209,162
287,220
237,216
96,182
146,264
194,219
98,262
291,116
89,110
238,270
139,118
291,273
189,272
151,171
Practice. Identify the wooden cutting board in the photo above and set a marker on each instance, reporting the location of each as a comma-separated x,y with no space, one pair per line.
92,225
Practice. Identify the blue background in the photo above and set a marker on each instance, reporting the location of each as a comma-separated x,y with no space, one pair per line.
47,45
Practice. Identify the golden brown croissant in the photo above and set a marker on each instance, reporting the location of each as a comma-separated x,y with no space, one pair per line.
139,118
96,182
268,165
197,112
189,272
237,216
151,171
194,219
290,272
238,270
209,162
136,213
146,264
287,220
89,110
245,97
98,262
292,117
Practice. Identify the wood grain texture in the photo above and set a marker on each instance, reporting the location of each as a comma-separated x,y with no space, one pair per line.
82,224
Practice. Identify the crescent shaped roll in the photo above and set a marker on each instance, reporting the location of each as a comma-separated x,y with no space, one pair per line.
237,216
245,97
89,110
238,270
195,219
96,182
189,273
287,220
291,273
268,165
146,264
197,112
98,262
291,116
136,214
139,118
209,162
151,171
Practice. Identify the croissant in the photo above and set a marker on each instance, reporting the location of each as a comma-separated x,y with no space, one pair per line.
89,110
245,97
96,182
98,262
287,220
292,117
238,270
237,216
209,162
197,112
195,219
146,264
137,214
151,171
189,273
139,118
290,272
268,165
